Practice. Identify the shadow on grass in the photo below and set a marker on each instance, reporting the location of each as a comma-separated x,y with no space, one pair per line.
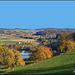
29,62
2,67
2,71
64,69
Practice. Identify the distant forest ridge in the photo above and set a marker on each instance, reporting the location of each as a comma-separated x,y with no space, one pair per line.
39,29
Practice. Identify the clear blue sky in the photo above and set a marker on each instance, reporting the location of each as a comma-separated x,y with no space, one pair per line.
38,14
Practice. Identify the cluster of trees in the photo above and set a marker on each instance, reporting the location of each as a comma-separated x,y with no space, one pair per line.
44,41
66,46
42,52
47,41
10,58
19,46
42,33
12,31
53,43
67,43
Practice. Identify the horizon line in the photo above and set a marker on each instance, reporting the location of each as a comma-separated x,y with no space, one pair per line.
37,28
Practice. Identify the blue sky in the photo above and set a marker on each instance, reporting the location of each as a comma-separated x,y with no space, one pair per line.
37,14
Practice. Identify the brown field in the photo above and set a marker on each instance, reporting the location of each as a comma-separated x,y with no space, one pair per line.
12,39
3,36
24,40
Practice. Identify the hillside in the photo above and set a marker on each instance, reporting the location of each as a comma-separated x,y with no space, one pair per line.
61,64
57,29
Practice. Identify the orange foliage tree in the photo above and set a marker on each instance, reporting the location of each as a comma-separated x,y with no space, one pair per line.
42,52
66,46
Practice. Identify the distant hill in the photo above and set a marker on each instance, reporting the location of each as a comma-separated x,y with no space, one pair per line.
48,32
57,29
71,36
39,31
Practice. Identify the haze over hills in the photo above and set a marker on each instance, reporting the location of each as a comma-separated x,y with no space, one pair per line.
55,29
41,29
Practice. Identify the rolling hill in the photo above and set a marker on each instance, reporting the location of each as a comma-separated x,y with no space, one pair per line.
61,64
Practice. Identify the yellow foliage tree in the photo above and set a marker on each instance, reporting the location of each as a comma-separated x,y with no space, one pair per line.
10,58
18,59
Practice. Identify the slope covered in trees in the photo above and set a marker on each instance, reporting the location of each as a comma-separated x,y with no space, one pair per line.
47,32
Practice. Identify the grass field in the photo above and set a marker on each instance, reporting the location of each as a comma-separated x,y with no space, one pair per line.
61,64
9,41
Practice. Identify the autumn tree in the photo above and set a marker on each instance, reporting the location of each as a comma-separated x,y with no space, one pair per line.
42,52
66,46
66,42
65,36
46,42
18,59
10,58
4,53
